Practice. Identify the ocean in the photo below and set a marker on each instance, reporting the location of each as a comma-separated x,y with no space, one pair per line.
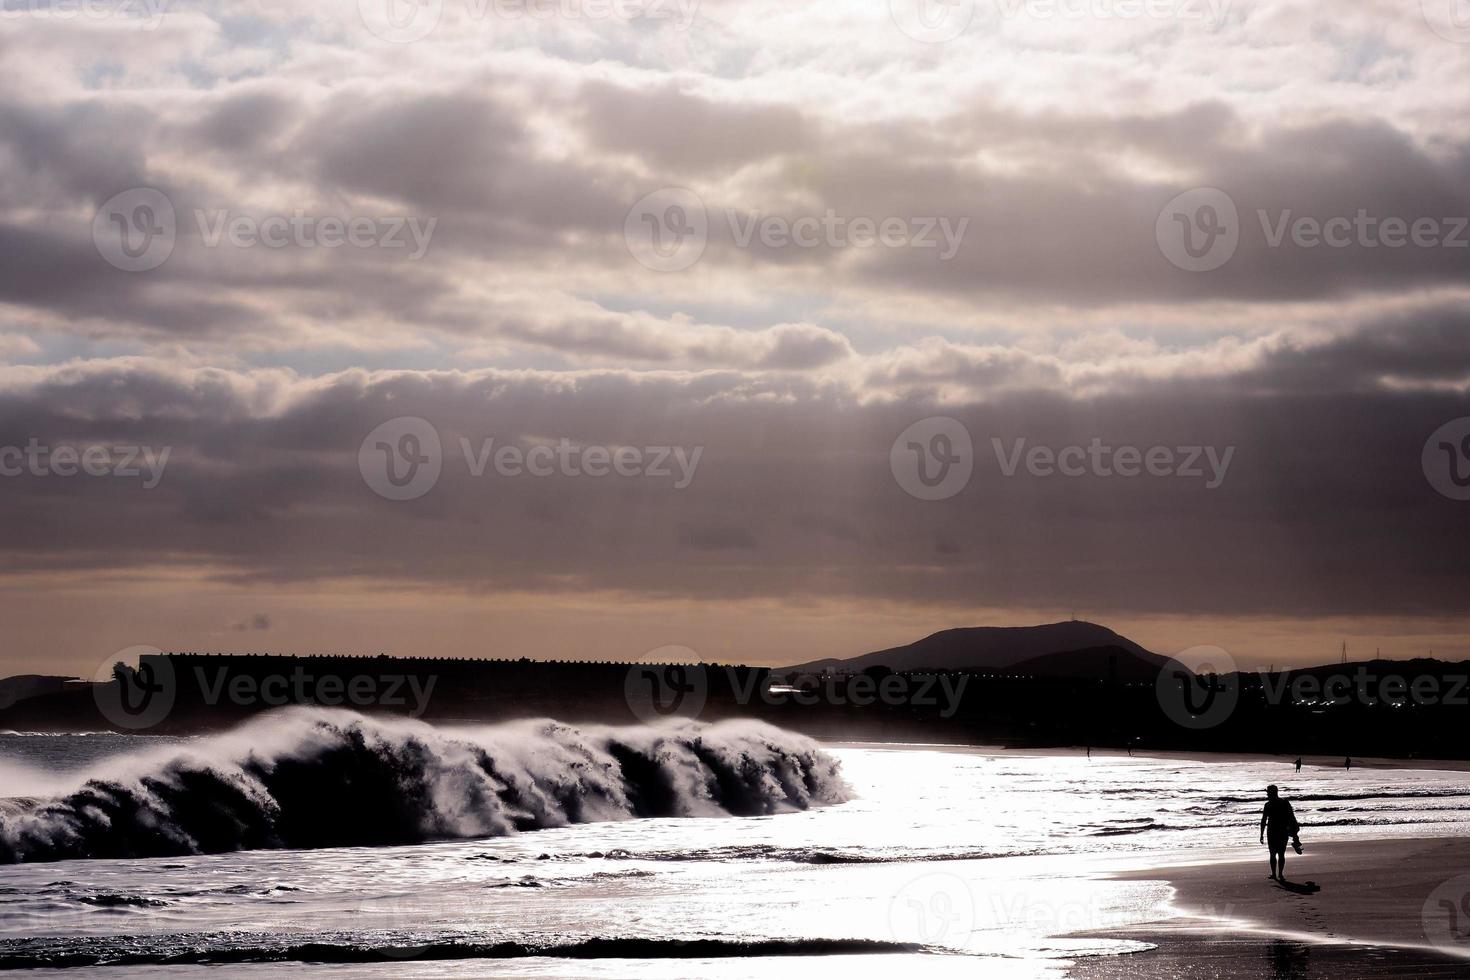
537,849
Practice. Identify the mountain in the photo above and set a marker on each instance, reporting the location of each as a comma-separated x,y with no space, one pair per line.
994,648
1111,662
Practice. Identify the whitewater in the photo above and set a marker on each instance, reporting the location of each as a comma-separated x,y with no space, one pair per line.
309,778
351,846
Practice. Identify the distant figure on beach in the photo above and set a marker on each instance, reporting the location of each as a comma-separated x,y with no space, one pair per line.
1089,752
1278,825
1347,763
1298,763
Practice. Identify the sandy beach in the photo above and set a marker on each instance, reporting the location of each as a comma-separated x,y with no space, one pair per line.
1350,909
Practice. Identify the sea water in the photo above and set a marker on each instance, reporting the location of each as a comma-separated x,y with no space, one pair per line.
544,850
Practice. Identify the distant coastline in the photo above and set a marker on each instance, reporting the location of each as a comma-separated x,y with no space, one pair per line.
1105,697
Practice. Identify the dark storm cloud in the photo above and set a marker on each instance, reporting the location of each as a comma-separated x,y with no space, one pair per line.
243,123
65,274
462,154
435,150
1073,227
1430,347
1324,508
1052,215
684,133
85,150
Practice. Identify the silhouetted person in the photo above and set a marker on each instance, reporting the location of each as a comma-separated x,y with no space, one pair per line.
1299,764
1278,825
1347,763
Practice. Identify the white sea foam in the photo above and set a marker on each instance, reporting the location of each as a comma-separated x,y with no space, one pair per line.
313,777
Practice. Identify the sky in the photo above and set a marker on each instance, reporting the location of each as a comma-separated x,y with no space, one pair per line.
583,328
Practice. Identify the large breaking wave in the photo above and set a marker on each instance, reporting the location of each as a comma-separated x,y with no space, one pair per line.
312,777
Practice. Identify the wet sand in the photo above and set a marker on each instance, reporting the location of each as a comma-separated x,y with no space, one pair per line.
1352,909
1205,957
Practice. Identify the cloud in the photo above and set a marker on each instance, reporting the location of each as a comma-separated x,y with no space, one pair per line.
688,134
1324,481
1059,319
529,178
255,622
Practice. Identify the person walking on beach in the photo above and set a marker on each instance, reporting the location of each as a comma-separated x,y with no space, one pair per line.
1278,825
1347,763
1298,763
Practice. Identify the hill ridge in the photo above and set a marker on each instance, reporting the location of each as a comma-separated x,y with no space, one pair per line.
989,648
